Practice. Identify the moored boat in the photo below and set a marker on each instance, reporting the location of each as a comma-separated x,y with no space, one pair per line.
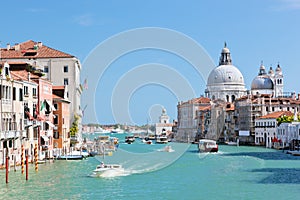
206,145
129,139
70,157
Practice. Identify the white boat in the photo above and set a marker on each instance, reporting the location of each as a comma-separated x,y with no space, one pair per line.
206,145
129,139
147,141
162,140
108,168
117,130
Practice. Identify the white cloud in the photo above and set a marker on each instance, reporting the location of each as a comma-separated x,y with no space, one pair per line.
84,20
288,5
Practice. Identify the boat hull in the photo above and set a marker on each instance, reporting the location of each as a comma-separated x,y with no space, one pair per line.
207,146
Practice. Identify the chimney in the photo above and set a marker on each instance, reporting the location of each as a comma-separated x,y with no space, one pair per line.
17,47
40,44
8,46
28,76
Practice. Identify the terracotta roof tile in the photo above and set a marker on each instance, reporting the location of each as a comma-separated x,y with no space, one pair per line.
277,114
22,75
27,50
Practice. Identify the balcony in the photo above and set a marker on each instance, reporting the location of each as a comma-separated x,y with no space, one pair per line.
27,123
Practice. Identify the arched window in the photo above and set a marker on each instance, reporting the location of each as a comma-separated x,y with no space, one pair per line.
227,98
232,98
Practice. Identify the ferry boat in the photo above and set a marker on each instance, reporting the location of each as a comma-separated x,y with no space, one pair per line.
113,168
206,145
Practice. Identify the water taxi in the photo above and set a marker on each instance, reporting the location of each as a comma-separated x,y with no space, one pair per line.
206,145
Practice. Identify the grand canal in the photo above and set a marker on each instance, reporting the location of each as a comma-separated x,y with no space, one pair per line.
232,173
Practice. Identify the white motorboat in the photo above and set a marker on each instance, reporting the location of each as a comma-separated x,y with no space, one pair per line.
114,169
206,145
162,139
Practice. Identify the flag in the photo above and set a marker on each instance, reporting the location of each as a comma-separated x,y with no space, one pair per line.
42,105
85,84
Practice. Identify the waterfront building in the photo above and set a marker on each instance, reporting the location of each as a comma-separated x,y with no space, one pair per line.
266,128
287,133
225,82
44,132
29,107
59,67
163,127
251,107
61,133
12,115
187,125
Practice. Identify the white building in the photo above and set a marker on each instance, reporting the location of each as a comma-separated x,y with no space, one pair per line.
225,82
287,132
266,128
164,127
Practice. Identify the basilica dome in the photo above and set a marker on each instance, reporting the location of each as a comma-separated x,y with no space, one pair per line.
225,74
262,82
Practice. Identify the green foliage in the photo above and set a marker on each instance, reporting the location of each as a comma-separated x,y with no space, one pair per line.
286,119
74,128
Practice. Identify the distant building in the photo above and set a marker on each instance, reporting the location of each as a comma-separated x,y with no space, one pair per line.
164,127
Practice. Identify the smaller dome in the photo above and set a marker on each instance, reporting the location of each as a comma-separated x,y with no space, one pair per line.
262,83
225,50
271,72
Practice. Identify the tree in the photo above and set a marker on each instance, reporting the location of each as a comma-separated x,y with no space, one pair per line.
74,128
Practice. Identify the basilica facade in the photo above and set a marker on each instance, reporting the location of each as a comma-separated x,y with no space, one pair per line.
230,110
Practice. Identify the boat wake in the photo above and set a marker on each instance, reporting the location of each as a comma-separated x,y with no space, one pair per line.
137,163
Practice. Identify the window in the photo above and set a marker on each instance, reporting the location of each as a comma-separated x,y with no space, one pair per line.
6,71
14,94
56,135
66,68
66,81
34,92
56,106
46,69
26,91
55,120
20,94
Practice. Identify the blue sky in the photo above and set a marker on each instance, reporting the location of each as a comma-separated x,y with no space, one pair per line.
254,30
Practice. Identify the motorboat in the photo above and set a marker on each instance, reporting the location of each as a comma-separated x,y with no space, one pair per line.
206,145
162,140
108,168
168,148
147,141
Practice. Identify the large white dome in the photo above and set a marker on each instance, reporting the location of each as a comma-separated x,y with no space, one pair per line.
225,74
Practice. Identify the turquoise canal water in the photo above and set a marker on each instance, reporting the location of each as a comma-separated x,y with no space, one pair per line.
232,173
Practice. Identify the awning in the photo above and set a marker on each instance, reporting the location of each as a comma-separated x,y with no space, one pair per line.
46,139
29,115
41,117
51,105
50,124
